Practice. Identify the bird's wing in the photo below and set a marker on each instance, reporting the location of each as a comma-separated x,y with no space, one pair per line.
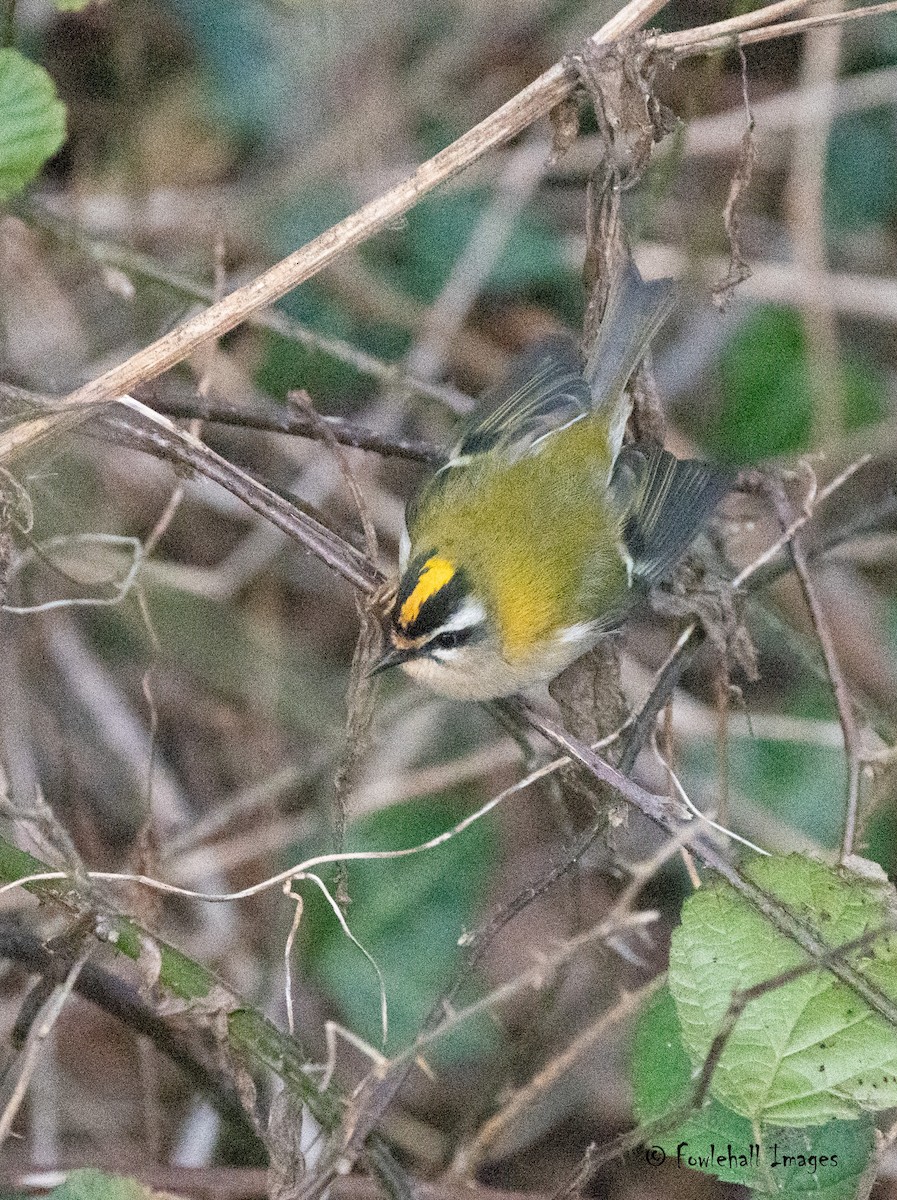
543,391
666,502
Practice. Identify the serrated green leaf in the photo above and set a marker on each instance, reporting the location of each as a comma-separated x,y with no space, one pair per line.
32,121
90,1184
811,1050
826,1162
408,914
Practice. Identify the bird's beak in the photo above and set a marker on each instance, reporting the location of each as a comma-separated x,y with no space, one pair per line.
392,658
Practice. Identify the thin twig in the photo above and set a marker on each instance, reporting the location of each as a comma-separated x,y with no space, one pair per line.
721,134
527,1097
37,1037
290,421
751,37
772,282
131,261
535,976
123,1002
177,446
846,716
303,402
700,34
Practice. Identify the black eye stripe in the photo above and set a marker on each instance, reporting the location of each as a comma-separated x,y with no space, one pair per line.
451,639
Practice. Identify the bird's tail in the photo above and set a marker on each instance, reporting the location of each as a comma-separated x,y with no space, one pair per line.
635,311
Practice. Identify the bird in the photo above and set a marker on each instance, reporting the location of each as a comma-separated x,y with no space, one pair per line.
543,531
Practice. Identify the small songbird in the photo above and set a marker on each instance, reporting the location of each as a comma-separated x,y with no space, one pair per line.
542,531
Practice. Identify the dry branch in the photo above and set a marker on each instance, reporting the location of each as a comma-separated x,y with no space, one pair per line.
271,419
535,101
688,45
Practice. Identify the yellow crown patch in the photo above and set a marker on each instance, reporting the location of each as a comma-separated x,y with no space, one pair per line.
435,574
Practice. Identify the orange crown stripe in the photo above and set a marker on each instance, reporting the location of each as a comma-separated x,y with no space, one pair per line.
435,574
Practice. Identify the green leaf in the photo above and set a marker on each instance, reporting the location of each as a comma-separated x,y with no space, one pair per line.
408,913
32,121
90,1184
808,1051
827,1161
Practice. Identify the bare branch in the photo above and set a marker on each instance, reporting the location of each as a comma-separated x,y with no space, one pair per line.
288,420
37,1038
683,46
529,1095
849,727
534,101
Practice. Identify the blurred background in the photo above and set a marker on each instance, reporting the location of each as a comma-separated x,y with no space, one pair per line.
194,724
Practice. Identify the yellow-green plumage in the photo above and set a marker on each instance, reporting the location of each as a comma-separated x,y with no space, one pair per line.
540,530
544,522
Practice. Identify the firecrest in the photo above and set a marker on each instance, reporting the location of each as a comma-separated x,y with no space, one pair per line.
542,530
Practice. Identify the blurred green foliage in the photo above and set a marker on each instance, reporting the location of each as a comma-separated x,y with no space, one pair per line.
255,65
226,652
89,1184
437,230
408,913
861,173
767,403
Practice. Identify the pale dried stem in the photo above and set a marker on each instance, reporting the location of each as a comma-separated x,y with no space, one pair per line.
806,221
533,102
684,48
682,39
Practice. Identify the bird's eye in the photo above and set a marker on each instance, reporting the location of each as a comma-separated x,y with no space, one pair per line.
449,639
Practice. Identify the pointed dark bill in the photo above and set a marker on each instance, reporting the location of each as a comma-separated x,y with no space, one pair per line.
392,658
